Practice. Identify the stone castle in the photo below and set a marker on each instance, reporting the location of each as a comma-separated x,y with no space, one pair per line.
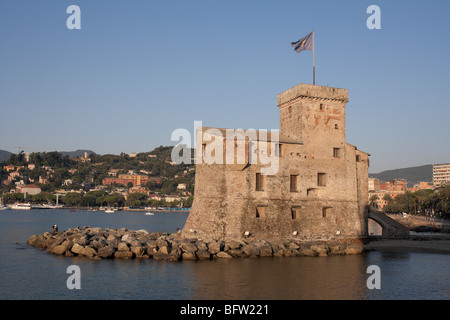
318,192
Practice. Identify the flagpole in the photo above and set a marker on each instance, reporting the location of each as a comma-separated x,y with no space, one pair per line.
314,60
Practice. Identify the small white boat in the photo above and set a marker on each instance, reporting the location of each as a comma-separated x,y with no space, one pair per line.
109,210
149,214
21,206
2,207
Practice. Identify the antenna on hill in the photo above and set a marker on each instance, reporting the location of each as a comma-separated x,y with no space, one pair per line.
18,148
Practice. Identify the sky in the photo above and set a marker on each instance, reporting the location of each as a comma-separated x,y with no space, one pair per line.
138,70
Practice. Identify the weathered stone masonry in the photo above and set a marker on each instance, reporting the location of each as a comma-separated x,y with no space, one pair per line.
318,193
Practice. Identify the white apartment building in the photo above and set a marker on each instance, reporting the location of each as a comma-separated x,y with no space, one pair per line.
441,174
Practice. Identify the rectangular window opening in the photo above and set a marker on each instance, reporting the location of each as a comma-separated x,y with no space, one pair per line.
326,211
280,148
259,182
203,149
293,183
321,179
336,152
295,213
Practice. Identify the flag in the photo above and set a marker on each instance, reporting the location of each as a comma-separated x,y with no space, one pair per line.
305,43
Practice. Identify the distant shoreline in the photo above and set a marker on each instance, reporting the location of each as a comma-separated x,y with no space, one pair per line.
187,210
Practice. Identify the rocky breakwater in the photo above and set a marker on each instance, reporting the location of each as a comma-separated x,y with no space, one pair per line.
97,243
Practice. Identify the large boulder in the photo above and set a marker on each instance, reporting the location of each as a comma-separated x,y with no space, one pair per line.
175,254
320,250
164,250
111,237
123,255
89,252
160,255
236,253
77,248
308,252
123,247
354,249
189,256
138,251
215,247
36,241
106,252
223,255
265,250
152,248
232,245
60,249
250,250
203,255
188,247
84,240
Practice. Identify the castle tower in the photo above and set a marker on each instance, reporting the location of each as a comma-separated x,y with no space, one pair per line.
315,116
318,192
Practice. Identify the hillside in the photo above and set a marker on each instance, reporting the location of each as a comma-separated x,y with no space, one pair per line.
412,174
4,155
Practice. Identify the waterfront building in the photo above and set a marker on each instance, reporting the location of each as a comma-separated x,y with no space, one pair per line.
318,192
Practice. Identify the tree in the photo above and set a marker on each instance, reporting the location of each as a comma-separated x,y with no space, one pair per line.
189,201
444,201
135,199
72,199
373,199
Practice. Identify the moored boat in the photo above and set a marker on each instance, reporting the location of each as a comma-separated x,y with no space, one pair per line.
21,206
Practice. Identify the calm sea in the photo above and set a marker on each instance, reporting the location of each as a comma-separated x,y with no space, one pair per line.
28,273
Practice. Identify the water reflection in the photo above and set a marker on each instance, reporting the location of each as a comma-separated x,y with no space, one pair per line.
27,273
334,277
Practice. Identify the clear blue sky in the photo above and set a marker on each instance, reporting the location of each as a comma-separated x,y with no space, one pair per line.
137,70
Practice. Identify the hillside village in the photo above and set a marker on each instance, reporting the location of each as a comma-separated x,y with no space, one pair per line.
135,180
85,179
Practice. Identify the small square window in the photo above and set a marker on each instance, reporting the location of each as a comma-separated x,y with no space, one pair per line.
336,152
260,211
326,211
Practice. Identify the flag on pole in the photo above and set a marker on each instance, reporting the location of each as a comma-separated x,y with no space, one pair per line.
305,43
